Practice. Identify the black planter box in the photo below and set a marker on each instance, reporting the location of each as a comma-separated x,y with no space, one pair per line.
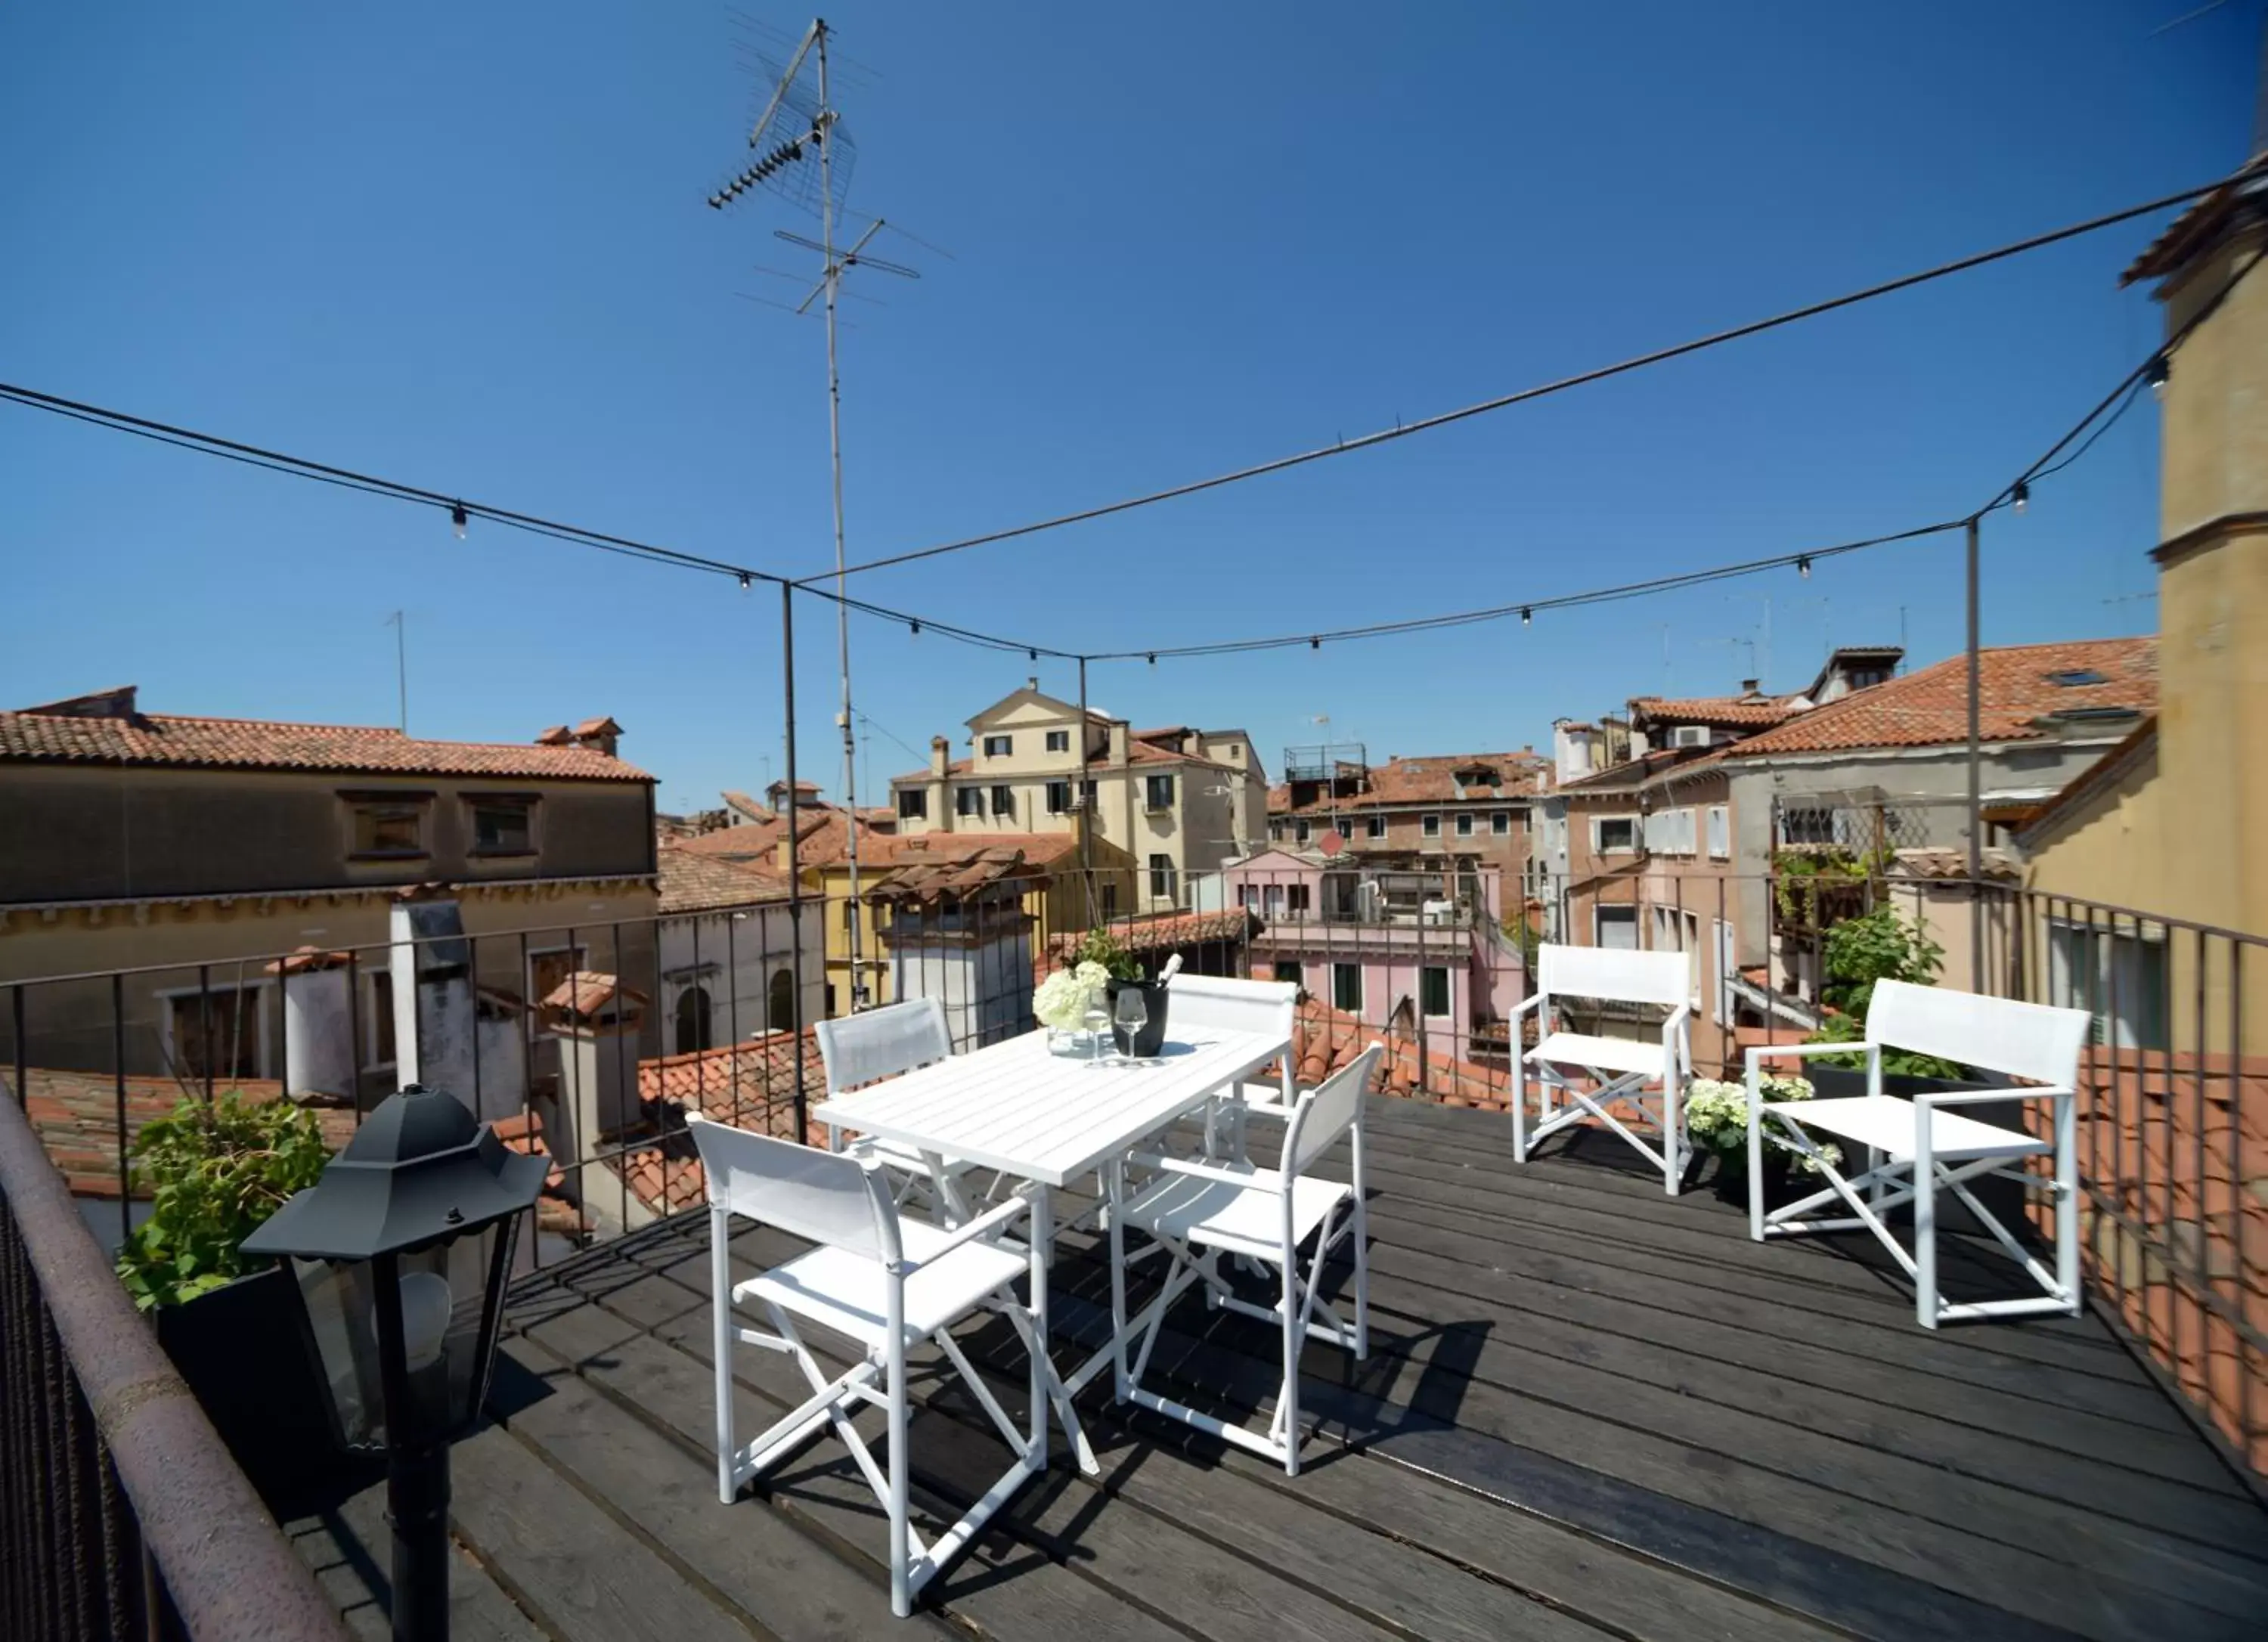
242,1349
1151,1040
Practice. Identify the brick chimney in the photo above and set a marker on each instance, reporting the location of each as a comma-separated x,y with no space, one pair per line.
940,755
601,735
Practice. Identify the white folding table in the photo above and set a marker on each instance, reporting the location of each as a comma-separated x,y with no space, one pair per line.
1051,1119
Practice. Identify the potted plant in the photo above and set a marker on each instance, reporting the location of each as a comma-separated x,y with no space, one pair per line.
1101,947
214,1172
1716,1122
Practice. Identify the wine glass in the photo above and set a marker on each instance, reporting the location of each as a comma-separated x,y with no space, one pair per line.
1131,1014
1096,1020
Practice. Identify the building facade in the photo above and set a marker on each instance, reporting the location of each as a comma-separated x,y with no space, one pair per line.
1456,811
1178,801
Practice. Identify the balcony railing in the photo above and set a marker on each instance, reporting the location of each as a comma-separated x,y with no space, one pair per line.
122,1515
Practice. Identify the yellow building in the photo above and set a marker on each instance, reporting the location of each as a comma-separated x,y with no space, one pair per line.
2168,823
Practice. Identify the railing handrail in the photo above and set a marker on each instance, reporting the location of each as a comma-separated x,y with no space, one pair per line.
231,1573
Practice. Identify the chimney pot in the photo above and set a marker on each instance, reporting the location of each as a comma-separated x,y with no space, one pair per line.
1749,686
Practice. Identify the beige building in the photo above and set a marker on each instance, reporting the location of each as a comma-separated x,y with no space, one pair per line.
2170,820
192,851
1178,800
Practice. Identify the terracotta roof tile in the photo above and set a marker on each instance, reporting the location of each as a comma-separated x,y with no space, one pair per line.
1732,712
1428,780
696,880
1158,931
749,1086
167,739
1930,708
588,991
76,1115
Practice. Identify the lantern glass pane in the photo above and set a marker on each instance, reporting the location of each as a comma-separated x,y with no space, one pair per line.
340,1296
447,1352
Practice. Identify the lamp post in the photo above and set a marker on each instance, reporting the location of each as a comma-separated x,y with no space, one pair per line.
400,1252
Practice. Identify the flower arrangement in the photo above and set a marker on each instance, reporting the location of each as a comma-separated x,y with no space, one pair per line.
1717,1116
1062,999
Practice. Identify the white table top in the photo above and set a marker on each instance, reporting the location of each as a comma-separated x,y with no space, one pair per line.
1045,1117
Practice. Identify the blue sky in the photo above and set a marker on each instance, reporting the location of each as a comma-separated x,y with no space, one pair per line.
467,246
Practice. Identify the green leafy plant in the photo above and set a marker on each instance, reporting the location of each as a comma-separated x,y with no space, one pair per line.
1102,946
1861,952
215,1172
1806,879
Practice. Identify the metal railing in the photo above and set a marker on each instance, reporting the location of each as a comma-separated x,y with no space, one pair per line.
122,1515
715,1010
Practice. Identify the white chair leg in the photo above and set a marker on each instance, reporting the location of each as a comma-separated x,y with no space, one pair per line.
1361,1259
901,1503
720,1346
1295,1334
1518,1104
1117,1282
2066,1188
1755,1160
1924,1232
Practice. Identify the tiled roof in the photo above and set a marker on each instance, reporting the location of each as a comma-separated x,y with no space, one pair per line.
1161,931
1931,708
1753,710
694,880
931,880
588,991
2173,247
76,1114
749,1086
1428,780
1325,1039
746,805
1633,773
166,739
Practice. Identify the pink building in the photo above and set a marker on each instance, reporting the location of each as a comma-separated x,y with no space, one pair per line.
1414,948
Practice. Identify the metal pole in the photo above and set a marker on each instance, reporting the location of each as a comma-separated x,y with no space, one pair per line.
794,867
852,921
1975,773
1083,810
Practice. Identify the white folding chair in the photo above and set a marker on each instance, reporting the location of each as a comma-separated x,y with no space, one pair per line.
1198,1212
884,1283
888,1043
1195,1002
1914,1147
1621,1069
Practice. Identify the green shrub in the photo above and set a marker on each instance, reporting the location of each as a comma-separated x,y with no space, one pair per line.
215,1172
1861,952
1102,946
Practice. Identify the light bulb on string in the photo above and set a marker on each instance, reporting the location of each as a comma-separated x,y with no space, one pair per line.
914,628
1153,658
746,581
2018,497
1314,644
457,518
2156,374
1803,565
1527,617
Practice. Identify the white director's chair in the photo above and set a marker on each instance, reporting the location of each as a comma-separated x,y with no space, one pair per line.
1587,1073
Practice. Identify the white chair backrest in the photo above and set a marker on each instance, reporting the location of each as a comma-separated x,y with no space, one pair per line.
1611,972
881,1044
822,1195
2034,1040
1328,1111
1198,1001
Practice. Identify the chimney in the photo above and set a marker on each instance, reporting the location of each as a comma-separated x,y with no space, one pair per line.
941,751
601,735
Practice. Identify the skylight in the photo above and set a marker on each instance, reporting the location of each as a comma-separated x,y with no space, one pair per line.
2073,676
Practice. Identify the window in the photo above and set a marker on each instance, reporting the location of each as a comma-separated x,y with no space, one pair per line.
913,804
1003,800
1248,896
1058,798
2119,976
1300,832
381,1016
1500,823
215,1033
969,801
1346,987
503,824
1670,832
1720,832
1158,791
1614,835
692,1021
1161,878
1465,826
1271,902
1433,990
779,1002
1296,898
1288,969
389,828
999,746
1059,740
1109,902
1376,826
1862,677
1615,927
1431,827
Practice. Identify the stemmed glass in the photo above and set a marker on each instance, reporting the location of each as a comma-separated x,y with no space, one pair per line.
1131,1014
1096,1020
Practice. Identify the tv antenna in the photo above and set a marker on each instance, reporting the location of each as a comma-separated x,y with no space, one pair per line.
805,156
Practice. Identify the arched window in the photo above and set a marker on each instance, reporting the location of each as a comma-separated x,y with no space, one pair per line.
779,1011
692,1019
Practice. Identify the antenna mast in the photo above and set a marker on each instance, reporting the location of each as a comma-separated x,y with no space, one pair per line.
799,119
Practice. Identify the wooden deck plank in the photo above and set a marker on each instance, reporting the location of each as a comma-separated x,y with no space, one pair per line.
350,1549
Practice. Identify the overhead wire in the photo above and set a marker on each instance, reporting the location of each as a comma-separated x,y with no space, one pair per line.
1406,429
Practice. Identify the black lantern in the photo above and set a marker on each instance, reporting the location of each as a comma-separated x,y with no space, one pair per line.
400,1252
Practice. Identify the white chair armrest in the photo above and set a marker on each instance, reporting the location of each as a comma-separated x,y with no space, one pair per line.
1280,1112
983,1226
1205,1171
1972,1097
1805,1051
1670,1032
1533,999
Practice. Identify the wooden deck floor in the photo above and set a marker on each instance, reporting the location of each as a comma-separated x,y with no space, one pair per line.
1592,1412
